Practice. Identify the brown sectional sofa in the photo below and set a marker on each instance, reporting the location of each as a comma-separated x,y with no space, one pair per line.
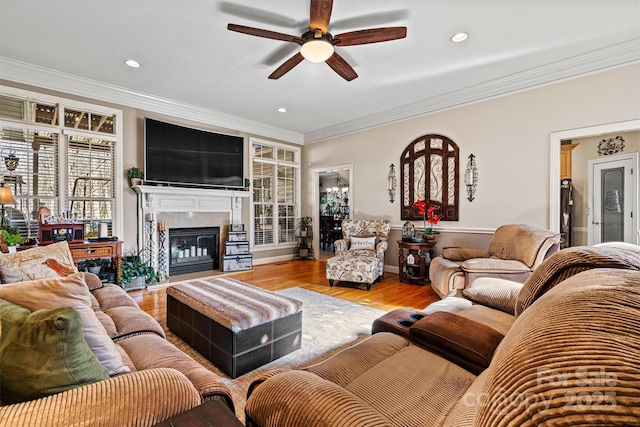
163,381
570,355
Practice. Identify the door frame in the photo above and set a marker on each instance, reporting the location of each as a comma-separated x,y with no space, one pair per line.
554,160
314,197
633,157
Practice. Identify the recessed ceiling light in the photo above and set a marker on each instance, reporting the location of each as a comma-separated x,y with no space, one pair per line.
459,37
132,63
282,110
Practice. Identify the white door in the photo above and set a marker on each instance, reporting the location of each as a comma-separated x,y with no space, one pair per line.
613,195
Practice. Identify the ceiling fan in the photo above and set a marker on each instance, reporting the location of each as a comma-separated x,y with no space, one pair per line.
318,45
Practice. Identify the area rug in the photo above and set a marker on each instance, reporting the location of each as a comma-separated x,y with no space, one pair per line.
329,325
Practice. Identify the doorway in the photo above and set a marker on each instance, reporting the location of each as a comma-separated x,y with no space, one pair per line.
331,204
612,199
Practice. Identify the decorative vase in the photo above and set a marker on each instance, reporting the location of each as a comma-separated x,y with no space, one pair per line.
429,237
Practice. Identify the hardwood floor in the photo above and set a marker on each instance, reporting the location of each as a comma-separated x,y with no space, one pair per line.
388,294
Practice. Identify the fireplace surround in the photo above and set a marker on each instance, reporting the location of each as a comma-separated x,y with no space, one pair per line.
178,207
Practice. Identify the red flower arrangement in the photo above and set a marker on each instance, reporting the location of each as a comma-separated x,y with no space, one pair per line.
428,214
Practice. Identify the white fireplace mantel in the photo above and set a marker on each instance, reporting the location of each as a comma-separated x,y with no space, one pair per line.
153,200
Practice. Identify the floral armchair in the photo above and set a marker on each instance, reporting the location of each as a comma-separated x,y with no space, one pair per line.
358,236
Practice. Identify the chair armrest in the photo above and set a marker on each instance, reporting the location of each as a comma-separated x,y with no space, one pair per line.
341,245
141,398
382,246
460,340
463,254
299,398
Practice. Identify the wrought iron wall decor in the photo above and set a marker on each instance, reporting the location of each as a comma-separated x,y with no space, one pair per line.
392,183
429,171
611,146
471,177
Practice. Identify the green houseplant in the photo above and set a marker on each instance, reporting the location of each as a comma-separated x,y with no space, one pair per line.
304,223
93,265
11,235
135,176
132,268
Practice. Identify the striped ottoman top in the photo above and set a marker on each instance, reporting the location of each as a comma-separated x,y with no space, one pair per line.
232,303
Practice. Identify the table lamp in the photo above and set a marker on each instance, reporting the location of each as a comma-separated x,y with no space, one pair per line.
6,198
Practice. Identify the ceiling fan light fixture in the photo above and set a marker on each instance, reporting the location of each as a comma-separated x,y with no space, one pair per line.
317,50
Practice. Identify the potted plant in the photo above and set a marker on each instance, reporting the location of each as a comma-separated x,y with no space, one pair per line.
135,176
430,216
135,273
10,236
93,265
304,223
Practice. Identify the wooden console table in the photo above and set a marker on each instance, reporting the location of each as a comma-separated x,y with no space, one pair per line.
90,250
418,270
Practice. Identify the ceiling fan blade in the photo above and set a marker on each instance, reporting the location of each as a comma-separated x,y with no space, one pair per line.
287,66
264,33
320,15
373,35
340,66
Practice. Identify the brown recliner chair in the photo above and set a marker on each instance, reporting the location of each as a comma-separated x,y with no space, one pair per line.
514,252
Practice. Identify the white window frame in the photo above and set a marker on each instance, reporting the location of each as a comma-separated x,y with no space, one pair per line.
296,165
117,136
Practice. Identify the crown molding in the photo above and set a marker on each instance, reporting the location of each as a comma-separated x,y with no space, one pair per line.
594,61
21,72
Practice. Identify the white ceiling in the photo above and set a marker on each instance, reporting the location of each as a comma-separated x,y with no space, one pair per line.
192,65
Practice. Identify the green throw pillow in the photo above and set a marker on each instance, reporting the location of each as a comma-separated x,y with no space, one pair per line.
43,353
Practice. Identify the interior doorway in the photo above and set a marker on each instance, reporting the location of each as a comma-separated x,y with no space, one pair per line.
332,204
612,196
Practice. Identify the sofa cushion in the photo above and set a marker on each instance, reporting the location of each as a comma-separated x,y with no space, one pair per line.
493,266
463,341
43,353
463,254
70,291
493,292
31,264
572,357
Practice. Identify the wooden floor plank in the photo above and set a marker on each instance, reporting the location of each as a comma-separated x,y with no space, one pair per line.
388,294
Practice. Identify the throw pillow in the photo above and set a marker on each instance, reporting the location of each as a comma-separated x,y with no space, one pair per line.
31,264
363,243
465,342
43,353
500,294
70,291
60,268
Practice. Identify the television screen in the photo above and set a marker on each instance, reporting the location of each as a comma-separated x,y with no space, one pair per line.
180,155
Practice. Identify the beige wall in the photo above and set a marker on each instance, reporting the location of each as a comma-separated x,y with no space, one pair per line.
509,136
585,151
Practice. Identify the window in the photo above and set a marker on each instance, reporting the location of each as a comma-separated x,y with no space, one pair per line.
275,177
58,154
429,169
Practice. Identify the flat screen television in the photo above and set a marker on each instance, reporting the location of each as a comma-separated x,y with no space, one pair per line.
178,155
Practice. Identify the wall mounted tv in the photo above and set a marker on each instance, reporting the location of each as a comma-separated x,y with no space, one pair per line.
177,155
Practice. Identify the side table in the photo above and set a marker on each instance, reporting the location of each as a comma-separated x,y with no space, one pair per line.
210,413
414,259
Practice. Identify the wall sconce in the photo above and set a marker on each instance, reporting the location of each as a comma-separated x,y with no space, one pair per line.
392,183
471,177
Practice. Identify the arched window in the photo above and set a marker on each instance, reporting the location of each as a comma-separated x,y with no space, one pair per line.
429,171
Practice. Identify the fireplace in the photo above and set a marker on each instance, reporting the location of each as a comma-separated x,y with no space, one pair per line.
193,249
